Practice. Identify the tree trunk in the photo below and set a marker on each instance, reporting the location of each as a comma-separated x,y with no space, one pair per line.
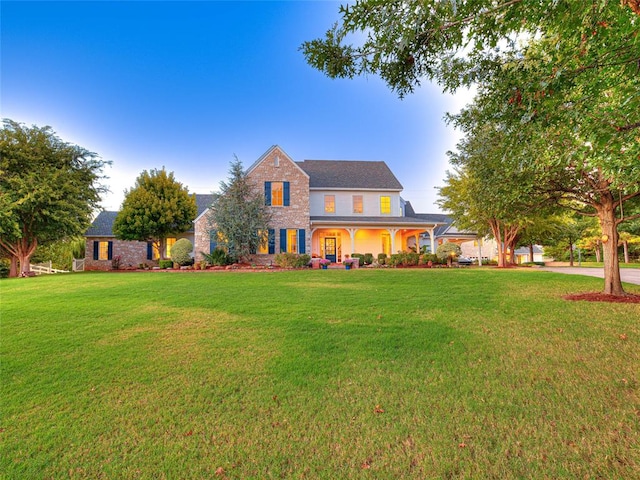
531,257
625,246
570,252
609,225
13,268
597,250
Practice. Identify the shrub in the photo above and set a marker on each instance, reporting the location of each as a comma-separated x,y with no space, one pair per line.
115,262
410,259
292,260
5,265
218,257
428,257
368,259
181,252
165,264
360,258
395,259
382,258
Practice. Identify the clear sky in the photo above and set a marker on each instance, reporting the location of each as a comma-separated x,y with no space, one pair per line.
186,85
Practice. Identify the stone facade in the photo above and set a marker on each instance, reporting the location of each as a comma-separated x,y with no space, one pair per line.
131,254
202,239
277,166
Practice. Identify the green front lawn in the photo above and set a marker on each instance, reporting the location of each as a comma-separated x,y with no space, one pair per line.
330,374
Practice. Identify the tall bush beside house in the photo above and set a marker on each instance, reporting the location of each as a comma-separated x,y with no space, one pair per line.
181,252
218,257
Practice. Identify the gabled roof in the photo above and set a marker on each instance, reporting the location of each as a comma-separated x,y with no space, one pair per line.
279,150
353,175
102,226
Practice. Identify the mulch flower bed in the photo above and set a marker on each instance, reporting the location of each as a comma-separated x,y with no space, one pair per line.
602,297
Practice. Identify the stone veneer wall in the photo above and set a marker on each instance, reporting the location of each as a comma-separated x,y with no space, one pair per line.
296,215
131,254
202,239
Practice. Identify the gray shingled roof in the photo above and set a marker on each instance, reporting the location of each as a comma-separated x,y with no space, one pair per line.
102,226
349,174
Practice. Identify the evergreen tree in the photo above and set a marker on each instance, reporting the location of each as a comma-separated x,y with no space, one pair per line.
239,219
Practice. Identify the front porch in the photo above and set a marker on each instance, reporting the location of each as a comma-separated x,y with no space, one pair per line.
333,239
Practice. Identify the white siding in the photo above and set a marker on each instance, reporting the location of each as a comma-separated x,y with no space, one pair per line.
344,203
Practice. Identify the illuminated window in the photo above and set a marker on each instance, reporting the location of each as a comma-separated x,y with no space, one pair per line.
276,194
292,241
263,248
103,251
385,205
170,243
357,204
329,204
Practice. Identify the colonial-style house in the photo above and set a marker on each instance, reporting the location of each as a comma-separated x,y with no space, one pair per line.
324,208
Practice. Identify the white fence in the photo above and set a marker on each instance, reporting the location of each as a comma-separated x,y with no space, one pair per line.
45,268
78,265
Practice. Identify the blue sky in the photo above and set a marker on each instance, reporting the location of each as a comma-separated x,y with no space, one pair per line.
186,85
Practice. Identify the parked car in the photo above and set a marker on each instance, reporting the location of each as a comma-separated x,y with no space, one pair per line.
464,261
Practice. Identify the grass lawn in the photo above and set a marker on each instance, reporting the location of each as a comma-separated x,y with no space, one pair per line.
329,374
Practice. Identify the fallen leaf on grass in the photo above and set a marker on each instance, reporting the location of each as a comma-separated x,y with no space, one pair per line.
378,409
220,471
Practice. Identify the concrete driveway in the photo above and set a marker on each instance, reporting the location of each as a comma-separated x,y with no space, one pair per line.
629,275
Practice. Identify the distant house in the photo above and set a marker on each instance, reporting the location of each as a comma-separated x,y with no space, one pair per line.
324,208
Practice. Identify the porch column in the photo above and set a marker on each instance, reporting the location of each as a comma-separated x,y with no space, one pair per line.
431,231
352,234
417,237
392,232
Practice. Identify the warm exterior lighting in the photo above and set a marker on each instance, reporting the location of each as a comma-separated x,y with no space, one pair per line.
605,238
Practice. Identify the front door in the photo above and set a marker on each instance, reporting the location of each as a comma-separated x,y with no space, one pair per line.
330,249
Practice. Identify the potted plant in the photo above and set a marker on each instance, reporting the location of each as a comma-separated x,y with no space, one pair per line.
348,262
324,263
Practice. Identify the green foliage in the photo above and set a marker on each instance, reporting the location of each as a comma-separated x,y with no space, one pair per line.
180,252
164,264
359,256
448,251
157,207
557,98
218,257
60,253
4,267
382,258
49,189
425,258
368,259
239,217
292,260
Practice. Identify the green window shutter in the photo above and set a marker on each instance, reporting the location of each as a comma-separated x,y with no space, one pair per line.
267,193
302,241
283,240
96,250
286,196
110,251
272,241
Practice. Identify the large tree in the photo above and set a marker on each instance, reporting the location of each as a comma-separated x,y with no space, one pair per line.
157,207
239,219
49,189
559,78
